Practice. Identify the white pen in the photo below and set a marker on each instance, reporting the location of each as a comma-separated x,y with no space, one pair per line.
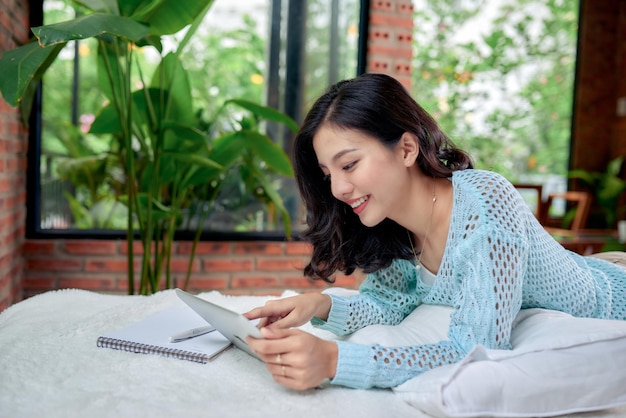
191,333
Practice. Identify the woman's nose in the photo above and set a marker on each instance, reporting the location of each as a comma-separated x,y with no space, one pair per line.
340,187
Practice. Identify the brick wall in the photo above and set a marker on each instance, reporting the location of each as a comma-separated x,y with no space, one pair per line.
270,267
255,267
389,41
230,267
13,145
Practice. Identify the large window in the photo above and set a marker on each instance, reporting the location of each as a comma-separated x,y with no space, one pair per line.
498,75
278,53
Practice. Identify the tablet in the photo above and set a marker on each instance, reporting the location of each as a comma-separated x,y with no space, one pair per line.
232,325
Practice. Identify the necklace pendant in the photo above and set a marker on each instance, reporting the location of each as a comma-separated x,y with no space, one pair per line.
418,266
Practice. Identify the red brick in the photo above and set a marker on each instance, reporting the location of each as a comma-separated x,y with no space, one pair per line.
203,283
378,66
386,5
254,282
403,68
40,283
107,265
5,281
405,7
298,248
405,38
259,247
87,283
90,247
39,247
395,52
226,265
53,264
279,264
181,265
303,282
204,248
390,20
377,35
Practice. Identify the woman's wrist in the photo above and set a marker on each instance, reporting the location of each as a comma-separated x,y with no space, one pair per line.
323,306
333,358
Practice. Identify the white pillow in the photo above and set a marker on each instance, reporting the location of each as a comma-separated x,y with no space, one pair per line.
427,324
558,365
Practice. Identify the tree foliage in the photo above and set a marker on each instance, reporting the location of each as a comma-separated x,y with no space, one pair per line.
498,76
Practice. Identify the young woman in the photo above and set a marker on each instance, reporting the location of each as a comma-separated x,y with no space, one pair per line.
388,193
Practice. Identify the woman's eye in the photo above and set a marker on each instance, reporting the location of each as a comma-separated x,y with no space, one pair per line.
348,166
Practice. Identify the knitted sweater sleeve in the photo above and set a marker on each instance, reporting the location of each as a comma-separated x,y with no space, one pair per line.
485,306
385,297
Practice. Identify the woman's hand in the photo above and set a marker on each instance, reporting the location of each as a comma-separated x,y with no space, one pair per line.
295,358
292,311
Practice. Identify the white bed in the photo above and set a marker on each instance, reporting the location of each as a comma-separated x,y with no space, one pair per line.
50,366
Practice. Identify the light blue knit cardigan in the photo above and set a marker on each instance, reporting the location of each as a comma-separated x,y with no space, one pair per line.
498,259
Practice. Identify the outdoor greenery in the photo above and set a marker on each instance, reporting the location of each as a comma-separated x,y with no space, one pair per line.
607,188
498,76
163,162
160,103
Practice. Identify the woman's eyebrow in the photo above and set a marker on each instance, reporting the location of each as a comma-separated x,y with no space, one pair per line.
339,155
342,153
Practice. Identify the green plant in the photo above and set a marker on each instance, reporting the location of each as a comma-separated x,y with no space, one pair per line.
607,187
160,162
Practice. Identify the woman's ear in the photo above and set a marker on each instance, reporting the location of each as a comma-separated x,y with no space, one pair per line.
409,145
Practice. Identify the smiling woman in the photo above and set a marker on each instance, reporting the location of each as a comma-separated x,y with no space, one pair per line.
376,173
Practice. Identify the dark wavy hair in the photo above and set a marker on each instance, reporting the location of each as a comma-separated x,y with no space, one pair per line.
379,106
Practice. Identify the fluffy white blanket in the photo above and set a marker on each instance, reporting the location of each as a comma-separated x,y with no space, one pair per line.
50,366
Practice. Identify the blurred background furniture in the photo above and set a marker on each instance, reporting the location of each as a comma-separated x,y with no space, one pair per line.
577,206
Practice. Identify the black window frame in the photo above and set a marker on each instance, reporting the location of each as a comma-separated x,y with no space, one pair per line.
293,107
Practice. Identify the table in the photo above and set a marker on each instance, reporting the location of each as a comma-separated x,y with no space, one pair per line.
587,241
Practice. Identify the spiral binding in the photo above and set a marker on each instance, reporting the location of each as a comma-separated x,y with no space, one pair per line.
152,349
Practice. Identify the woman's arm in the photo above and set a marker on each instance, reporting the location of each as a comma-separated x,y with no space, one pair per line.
385,297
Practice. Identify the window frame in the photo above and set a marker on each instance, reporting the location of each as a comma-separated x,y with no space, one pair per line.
292,108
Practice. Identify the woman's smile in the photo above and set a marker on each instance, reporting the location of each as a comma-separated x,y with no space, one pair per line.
359,204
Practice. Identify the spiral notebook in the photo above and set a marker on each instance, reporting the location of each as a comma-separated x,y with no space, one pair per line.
152,336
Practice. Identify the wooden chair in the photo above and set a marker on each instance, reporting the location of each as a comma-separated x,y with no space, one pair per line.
580,201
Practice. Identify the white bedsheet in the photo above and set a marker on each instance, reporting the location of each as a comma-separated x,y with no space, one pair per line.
50,366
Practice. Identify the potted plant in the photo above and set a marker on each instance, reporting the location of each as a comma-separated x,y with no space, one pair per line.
165,163
607,188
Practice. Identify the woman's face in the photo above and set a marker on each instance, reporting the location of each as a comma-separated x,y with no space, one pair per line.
362,172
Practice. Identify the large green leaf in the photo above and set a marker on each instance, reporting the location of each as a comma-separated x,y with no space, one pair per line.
103,6
255,178
171,76
90,26
265,112
184,138
107,119
166,17
268,151
23,67
201,176
192,160
160,212
128,7
227,148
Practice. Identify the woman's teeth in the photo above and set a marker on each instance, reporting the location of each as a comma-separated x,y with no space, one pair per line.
358,203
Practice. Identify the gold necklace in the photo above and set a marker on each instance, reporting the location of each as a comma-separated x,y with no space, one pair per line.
430,220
